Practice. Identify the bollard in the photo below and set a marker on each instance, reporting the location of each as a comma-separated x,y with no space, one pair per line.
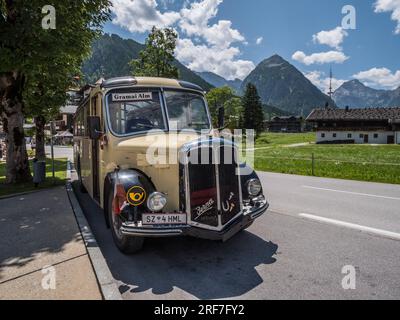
39,172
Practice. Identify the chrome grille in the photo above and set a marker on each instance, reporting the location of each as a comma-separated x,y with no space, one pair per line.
213,193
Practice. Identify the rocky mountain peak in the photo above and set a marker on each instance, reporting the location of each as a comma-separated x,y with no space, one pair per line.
357,95
274,61
282,85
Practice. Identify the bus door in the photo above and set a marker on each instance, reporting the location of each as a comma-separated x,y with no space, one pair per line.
95,154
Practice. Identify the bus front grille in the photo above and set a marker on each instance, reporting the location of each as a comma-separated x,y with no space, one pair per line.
213,185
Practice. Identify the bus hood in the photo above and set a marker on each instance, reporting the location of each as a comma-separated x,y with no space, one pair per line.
156,145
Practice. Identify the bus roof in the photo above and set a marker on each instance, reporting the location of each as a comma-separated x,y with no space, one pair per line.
149,81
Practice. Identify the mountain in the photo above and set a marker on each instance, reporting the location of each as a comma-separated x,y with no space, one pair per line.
111,55
270,112
357,95
218,81
280,84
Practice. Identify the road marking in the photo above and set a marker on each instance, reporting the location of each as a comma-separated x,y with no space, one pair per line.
389,234
355,193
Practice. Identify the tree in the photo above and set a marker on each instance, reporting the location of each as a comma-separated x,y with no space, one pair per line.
226,98
44,94
157,58
253,115
31,41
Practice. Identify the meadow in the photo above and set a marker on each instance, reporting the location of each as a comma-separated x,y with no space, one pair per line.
293,154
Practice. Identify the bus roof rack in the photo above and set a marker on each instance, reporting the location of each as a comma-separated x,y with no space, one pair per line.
120,81
131,81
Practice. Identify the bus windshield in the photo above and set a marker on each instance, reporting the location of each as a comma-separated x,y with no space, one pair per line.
186,111
136,112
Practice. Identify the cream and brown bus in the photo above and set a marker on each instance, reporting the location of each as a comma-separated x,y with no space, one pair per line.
124,126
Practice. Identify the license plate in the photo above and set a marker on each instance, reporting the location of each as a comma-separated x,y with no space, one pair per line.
164,219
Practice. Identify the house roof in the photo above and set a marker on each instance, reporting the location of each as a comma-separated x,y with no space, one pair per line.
369,114
286,118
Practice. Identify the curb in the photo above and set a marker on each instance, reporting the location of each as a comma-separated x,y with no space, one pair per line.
104,277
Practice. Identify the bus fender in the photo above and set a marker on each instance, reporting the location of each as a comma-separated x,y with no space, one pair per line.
129,179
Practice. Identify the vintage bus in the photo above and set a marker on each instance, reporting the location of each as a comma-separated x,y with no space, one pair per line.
118,121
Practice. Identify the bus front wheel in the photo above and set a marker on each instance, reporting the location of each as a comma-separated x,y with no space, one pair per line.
126,244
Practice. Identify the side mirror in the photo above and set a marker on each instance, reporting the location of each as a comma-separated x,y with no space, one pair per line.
94,127
221,118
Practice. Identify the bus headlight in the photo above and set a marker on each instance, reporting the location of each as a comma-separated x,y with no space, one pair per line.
254,187
156,201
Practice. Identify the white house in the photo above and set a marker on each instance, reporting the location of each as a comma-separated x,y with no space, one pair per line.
360,126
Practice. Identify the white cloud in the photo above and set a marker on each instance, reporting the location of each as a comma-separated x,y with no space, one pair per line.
221,34
333,38
259,40
380,77
320,58
320,80
195,22
203,46
201,12
222,61
141,15
198,14
392,6
215,53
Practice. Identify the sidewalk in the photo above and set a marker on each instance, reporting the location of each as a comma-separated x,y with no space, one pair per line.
40,230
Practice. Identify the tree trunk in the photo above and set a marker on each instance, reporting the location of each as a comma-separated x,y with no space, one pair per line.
40,123
11,86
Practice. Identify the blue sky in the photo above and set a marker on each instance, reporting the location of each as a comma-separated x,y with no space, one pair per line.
221,35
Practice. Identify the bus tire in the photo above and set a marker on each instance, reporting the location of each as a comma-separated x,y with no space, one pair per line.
126,244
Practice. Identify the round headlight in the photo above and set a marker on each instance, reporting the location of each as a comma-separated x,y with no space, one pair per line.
156,201
254,187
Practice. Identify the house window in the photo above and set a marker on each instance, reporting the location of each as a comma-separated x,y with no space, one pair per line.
361,136
376,136
334,135
349,136
322,135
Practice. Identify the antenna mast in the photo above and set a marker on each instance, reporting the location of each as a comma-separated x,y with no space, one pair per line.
330,93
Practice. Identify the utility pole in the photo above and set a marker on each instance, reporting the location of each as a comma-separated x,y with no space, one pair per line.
52,129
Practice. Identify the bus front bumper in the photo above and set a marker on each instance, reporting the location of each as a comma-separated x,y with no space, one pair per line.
225,234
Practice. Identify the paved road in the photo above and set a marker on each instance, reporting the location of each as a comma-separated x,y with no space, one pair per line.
59,151
369,204
282,256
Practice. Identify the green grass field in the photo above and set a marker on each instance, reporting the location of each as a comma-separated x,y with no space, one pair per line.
292,153
60,166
